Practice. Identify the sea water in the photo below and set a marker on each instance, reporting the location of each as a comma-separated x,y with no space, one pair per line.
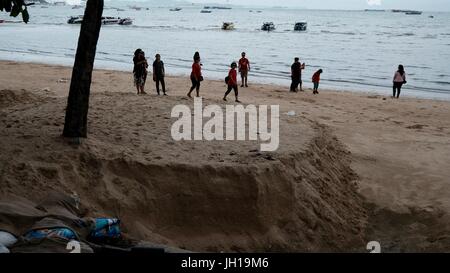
357,50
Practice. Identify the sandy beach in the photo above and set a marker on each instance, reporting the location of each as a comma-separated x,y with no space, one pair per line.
351,167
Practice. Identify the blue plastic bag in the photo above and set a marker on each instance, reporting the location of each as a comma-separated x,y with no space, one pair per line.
106,228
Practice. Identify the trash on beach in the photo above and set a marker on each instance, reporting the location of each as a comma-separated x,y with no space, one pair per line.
7,239
291,113
3,249
61,233
106,228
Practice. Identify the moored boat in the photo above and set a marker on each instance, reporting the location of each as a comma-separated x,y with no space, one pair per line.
105,20
228,26
300,26
268,26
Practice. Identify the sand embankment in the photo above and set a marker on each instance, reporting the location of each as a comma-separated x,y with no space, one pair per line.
350,168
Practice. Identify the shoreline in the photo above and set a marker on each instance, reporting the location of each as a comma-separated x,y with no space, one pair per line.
328,86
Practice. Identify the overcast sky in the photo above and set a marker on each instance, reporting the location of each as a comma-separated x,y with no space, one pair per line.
432,5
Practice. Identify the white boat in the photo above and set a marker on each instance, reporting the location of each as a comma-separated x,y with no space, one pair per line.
300,26
75,19
105,20
228,26
268,26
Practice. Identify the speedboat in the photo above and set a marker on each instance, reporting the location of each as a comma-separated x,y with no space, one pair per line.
300,26
125,21
268,26
176,9
228,26
75,19
105,20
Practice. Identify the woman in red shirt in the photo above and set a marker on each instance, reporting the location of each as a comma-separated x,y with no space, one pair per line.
232,82
196,76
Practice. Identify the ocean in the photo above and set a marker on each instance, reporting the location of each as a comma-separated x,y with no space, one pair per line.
358,50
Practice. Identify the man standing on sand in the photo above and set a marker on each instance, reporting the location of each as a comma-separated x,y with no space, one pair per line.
158,74
296,75
244,68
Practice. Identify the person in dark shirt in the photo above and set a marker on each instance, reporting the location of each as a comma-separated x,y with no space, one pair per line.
140,70
296,75
158,74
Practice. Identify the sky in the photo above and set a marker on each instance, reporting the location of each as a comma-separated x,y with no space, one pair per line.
425,5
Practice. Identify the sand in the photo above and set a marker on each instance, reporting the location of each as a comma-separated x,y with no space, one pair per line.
351,167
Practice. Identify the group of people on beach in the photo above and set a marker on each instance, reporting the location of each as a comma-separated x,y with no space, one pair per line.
140,72
141,66
296,77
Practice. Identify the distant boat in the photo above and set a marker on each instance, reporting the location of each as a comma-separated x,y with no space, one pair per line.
135,8
300,26
175,9
105,20
400,10
228,26
413,12
268,26
215,7
407,11
205,11
431,16
375,10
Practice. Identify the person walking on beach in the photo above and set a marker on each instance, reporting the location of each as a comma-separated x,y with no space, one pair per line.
232,82
316,80
296,75
159,73
244,68
196,76
399,81
140,70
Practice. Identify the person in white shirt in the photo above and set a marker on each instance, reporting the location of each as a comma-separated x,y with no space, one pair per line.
399,80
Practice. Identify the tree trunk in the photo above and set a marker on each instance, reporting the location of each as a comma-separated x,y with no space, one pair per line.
75,125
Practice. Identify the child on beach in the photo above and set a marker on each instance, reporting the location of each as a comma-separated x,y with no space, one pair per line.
399,81
232,82
196,75
140,70
159,73
316,80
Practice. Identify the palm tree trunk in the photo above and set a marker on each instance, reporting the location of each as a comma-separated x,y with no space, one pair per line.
75,125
